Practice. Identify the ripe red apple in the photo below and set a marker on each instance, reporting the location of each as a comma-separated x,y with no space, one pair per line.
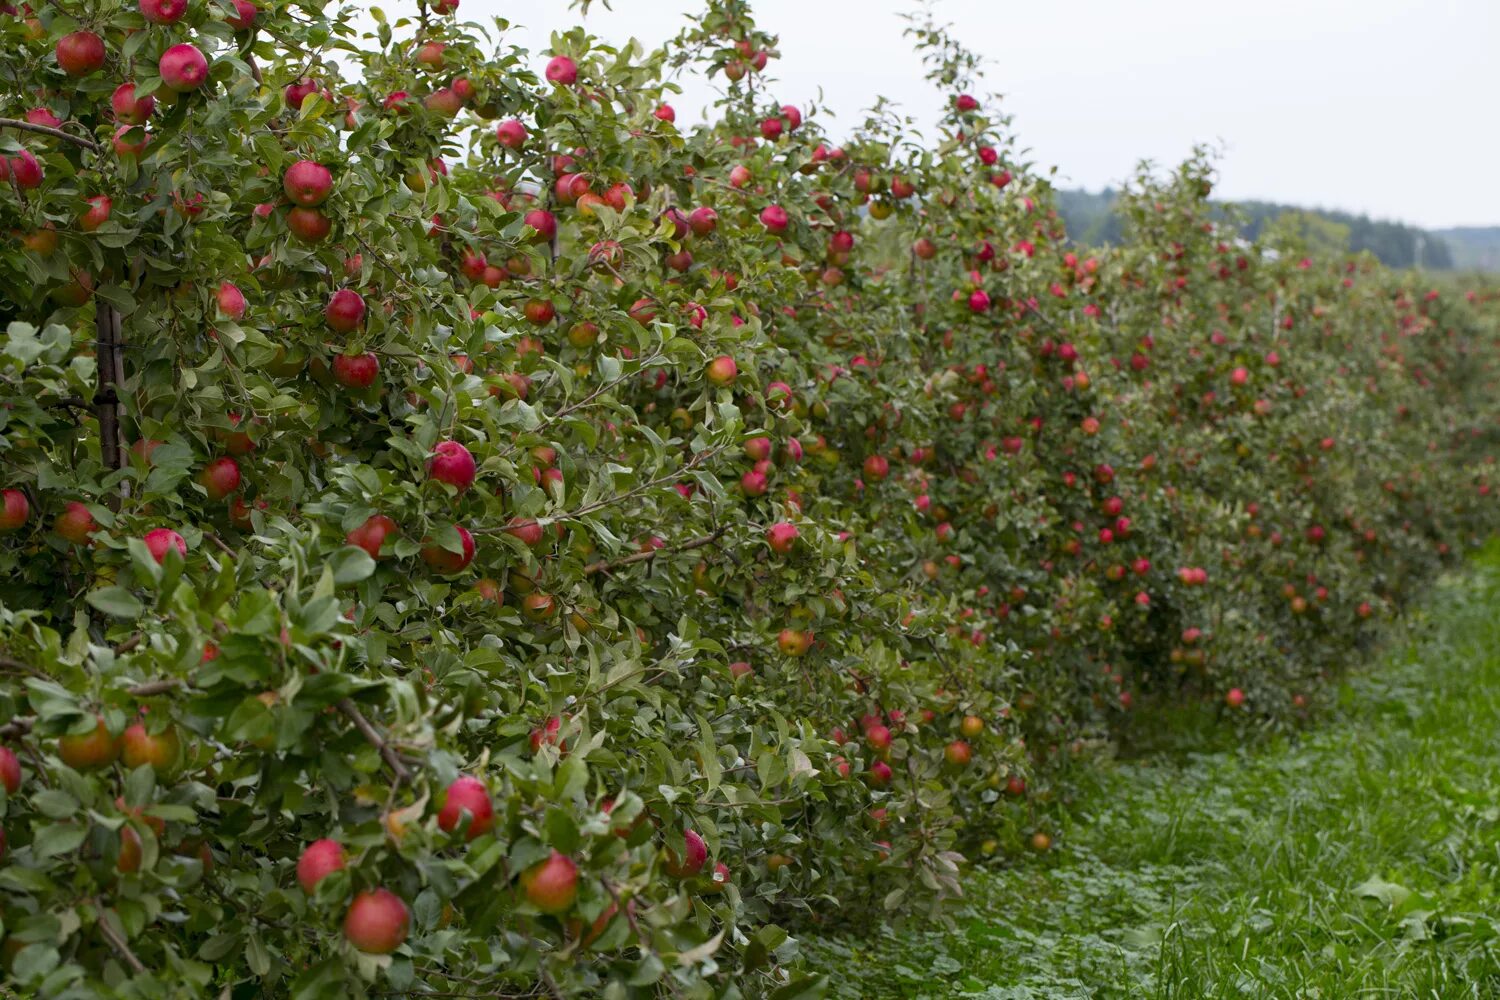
665,112
451,463
695,856
722,370
95,748
163,11
319,859
562,71
220,477
243,18
10,771
979,301
377,922
880,774
75,524
782,536
739,176
543,225
371,534
356,371
445,6
80,53
703,220
345,311
958,753
14,510
972,726
97,214
307,183
445,562
774,218
160,750
126,149
183,68
230,300
539,312
511,133
551,885
876,468
129,109
1235,698
159,541
308,224
467,795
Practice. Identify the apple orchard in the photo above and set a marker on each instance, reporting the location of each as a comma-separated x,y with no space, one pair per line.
465,534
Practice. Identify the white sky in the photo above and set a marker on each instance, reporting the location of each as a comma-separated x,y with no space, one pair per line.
1382,106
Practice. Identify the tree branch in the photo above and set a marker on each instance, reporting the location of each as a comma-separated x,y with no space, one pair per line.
373,737
117,942
607,565
56,133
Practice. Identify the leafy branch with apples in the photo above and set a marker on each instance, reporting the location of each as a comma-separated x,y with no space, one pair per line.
467,533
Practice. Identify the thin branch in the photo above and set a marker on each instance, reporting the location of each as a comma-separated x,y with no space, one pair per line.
607,565
153,688
56,133
118,943
373,737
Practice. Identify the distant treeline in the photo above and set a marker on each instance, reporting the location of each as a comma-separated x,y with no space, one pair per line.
1090,219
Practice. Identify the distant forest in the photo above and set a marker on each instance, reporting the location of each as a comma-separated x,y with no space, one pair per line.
1090,218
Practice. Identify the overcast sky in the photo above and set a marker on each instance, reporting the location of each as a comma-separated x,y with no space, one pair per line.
1382,106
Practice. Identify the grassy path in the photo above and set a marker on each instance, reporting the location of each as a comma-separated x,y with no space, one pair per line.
1360,860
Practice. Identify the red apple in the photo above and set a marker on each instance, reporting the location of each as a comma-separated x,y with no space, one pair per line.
160,750
159,541
183,68
703,220
774,218
10,771
230,300
356,371
511,133
451,463
308,224
562,71
371,534
14,510
467,795
722,370
551,885
163,11
243,18
319,859
782,536
448,563
377,922
220,477
80,53
307,183
695,856
75,523
345,311
95,748
543,225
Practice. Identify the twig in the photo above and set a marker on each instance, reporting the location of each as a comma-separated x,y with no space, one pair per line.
152,688
373,737
56,133
17,727
118,943
607,565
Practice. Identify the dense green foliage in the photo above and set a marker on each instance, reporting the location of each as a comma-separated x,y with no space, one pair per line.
464,533
1092,219
1356,860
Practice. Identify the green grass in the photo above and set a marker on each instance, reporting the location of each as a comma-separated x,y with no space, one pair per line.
1359,859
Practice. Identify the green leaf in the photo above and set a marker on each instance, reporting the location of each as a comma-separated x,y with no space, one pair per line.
116,601
351,564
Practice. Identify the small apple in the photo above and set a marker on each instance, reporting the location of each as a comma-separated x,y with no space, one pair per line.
511,133
75,524
161,750
562,71
695,856
356,371
230,300
220,477
782,536
14,510
722,370
95,748
308,224
445,562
